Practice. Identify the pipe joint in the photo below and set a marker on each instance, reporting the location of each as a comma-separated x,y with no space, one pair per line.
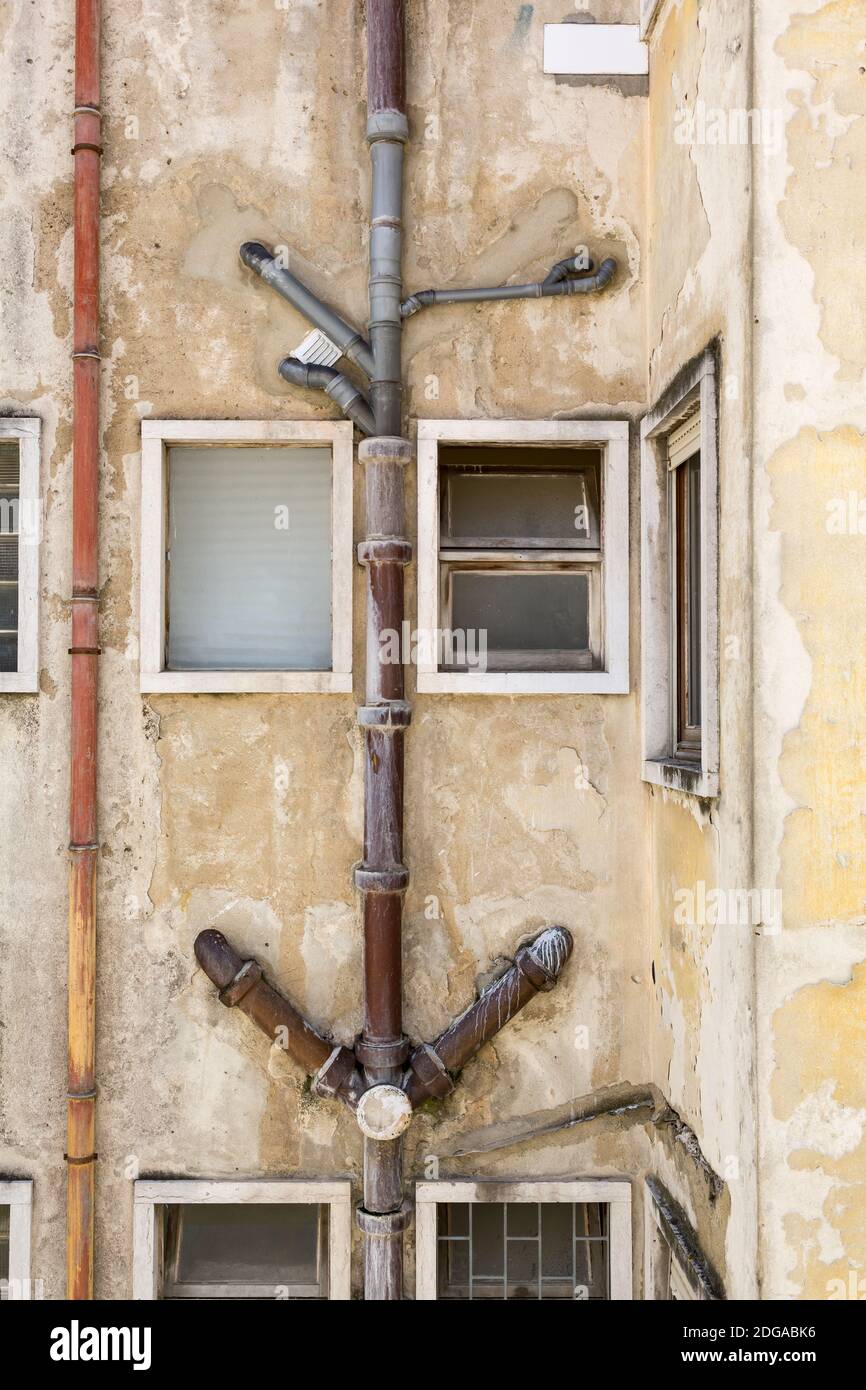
384,1224
249,975
428,1074
384,448
384,1113
379,1055
384,552
339,1077
391,880
387,125
395,716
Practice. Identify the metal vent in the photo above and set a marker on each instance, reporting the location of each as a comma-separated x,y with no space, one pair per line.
318,349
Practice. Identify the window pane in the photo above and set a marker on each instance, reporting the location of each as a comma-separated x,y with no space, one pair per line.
250,559
528,611
8,605
558,1251
249,1244
8,557
550,500
694,582
556,1240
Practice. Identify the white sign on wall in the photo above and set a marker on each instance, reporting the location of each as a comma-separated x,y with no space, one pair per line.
595,50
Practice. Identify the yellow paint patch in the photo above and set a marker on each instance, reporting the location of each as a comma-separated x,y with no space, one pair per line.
827,152
823,765
820,1037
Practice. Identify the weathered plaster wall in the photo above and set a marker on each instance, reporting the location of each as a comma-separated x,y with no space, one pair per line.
810,480
699,286
226,121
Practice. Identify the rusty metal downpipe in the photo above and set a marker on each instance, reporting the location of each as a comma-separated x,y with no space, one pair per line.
84,651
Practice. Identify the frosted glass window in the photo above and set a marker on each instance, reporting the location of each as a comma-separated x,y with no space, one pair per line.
4,1252
249,559
549,502
523,612
247,1250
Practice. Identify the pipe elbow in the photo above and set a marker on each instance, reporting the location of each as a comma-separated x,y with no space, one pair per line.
422,299
217,957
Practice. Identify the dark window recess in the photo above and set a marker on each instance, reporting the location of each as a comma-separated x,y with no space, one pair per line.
245,1251
4,1252
520,557
687,519
523,1250
10,478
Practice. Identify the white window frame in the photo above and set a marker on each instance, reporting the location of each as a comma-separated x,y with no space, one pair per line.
25,680
17,1195
157,437
695,386
649,13
611,437
615,1192
150,1195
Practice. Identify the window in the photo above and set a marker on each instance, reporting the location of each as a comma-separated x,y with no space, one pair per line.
20,534
15,1208
676,1271
525,1240
240,1240
246,556
679,610
522,556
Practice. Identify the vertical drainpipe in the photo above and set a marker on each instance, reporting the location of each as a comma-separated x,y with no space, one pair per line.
81,1083
382,877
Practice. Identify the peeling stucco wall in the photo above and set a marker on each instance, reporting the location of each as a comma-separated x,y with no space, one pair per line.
225,122
810,455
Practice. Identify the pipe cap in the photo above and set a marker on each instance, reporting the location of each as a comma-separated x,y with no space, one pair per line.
384,1112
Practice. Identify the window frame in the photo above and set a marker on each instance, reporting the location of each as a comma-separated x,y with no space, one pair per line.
151,1195
17,1195
695,387
611,437
157,437
27,430
616,1193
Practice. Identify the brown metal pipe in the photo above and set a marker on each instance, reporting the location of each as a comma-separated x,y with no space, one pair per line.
242,985
536,968
81,1033
386,61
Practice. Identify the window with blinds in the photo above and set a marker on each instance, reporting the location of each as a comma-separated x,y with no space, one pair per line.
10,488
248,564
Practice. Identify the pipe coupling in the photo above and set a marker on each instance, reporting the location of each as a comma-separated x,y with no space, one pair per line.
331,1078
384,552
385,448
380,1055
430,1072
396,714
391,880
387,125
384,1224
249,975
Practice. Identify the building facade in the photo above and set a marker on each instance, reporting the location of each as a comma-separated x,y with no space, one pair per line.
657,744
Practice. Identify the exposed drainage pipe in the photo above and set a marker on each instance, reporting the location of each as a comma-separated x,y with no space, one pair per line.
241,984
541,289
348,340
83,847
433,1066
317,377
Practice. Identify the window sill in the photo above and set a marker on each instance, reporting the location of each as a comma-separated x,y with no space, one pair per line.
19,683
246,683
681,777
523,683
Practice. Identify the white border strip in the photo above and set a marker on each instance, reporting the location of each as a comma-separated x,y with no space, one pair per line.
27,430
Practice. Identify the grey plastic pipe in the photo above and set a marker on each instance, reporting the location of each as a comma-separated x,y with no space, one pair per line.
542,289
315,377
347,339
387,132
